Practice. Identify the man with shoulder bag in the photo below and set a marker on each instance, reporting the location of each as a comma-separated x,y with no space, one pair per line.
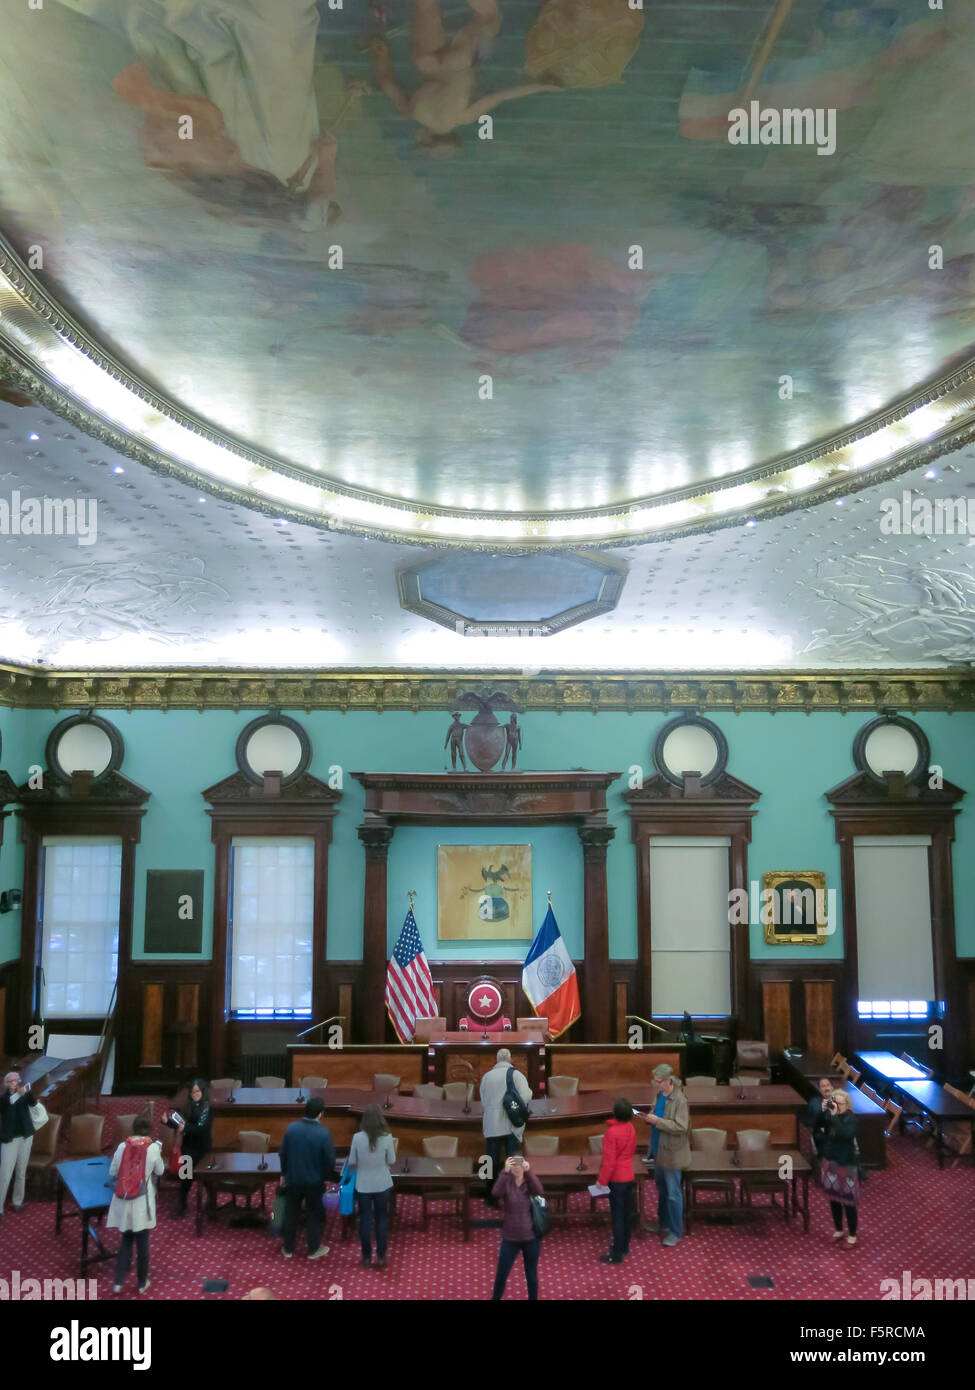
505,1094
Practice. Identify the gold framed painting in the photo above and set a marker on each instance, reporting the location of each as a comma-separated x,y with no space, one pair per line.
795,908
484,892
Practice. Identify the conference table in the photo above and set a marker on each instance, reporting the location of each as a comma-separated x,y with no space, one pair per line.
805,1070
248,1172
559,1174
765,1163
915,1086
87,1182
573,1119
891,1068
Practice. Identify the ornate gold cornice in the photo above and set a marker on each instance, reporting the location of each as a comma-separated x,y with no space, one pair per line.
626,692
85,384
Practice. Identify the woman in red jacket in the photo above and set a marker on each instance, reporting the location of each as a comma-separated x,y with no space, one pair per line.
616,1173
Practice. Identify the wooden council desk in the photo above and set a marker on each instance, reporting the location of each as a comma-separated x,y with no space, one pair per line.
572,1118
872,1119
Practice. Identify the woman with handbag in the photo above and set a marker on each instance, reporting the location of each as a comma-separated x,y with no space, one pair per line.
518,1190
371,1157
136,1164
194,1130
841,1157
21,1112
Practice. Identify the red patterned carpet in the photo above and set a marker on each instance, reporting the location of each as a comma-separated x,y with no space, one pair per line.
913,1217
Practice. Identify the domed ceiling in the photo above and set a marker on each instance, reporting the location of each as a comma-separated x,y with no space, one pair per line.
494,277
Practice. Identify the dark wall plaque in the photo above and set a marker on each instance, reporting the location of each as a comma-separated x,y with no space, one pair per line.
174,910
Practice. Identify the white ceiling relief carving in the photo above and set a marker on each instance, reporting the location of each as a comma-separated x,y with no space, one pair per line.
177,579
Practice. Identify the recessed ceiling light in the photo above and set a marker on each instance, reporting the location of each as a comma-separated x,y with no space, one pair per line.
33,436
118,468
839,501
751,522
931,473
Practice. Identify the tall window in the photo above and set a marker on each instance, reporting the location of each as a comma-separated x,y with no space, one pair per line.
81,880
272,893
690,936
894,943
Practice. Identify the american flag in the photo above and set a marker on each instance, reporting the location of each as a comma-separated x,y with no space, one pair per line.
409,984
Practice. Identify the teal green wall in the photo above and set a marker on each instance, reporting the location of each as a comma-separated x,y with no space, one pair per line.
791,758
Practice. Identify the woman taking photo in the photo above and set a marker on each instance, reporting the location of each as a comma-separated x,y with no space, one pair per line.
616,1173
372,1155
194,1129
841,1153
515,1188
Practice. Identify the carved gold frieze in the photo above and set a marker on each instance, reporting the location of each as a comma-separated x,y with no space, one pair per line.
22,687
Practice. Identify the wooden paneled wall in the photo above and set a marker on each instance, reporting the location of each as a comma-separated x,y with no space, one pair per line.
10,1046
799,1003
162,1032
164,1016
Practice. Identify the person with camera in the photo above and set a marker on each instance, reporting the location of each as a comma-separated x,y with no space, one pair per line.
16,1136
194,1128
814,1116
515,1188
840,1165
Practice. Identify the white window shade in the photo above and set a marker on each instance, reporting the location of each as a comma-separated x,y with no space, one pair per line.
894,949
690,938
272,926
80,925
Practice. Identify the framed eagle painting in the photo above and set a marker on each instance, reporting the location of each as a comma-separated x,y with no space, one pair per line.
484,892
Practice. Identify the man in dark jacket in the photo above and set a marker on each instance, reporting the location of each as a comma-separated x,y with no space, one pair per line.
814,1116
307,1164
16,1137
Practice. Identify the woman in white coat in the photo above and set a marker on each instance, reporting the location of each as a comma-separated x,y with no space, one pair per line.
136,1165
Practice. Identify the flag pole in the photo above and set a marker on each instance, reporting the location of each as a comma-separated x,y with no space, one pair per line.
773,28
411,895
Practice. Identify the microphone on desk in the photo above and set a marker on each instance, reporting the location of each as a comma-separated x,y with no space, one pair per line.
387,1103
230,1098
470,1087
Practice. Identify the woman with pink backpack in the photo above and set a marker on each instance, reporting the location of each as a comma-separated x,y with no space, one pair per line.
136,1165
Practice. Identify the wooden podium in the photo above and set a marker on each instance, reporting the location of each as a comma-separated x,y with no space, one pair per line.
466,1056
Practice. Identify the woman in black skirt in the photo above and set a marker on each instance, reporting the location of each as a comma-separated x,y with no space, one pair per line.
193,1134
841,1164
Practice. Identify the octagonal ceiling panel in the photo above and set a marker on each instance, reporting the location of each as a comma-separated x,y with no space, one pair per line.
526,595
637,289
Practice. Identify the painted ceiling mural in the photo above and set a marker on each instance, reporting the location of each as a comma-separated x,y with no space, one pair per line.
207,263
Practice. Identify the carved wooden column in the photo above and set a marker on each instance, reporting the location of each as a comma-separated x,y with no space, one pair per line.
596,983
375,839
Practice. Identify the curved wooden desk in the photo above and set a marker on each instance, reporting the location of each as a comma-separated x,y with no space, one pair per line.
572,1118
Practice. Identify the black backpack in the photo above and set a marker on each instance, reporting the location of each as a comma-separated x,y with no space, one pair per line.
511,1102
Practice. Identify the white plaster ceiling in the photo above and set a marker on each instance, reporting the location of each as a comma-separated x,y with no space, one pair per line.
178,580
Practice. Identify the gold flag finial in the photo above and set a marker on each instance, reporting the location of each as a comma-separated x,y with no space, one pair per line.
411,895
549,896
